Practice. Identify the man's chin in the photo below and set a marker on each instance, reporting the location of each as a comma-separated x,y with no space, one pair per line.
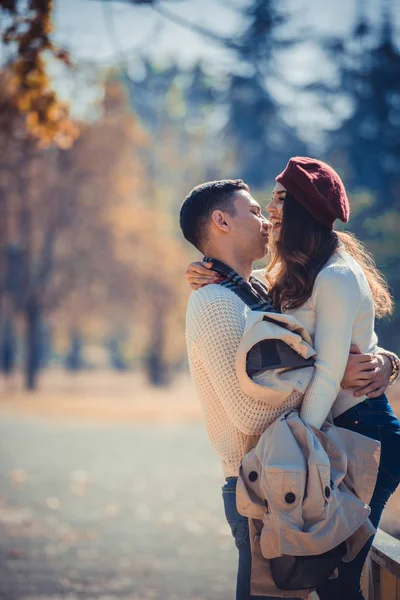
263,254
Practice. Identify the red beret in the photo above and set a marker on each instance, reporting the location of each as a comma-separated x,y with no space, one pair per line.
317,187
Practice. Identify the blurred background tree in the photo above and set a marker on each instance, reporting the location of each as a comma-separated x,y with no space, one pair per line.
28,30
91,257
366,146
255,127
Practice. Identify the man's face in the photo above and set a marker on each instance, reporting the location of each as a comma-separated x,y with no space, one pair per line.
275,210
249,227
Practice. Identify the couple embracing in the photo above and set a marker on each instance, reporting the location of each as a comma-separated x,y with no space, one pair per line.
328,284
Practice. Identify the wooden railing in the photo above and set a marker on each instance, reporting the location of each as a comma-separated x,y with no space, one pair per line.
381,577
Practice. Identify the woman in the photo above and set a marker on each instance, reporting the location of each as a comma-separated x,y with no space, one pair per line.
328,282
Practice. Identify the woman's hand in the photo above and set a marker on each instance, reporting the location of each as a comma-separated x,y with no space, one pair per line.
199,274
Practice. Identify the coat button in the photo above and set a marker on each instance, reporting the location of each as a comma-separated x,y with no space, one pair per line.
355,422
327,491
290,497
253,476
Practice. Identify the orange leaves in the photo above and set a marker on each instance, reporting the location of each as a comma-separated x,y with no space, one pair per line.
47,118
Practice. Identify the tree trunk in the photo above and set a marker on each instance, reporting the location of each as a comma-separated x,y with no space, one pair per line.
46,345
32,359
8,347
74,360
117,359
155,364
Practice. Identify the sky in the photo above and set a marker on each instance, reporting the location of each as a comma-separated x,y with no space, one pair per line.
105,32
84,25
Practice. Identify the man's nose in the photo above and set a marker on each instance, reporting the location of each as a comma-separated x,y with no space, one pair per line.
267,224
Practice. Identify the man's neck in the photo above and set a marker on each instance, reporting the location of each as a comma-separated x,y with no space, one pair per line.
243,267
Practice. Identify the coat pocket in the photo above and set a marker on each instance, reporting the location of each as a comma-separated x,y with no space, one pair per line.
284,490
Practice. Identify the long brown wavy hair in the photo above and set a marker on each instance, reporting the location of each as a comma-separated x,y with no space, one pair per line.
304,247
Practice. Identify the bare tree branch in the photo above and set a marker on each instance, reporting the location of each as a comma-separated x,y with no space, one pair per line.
227,42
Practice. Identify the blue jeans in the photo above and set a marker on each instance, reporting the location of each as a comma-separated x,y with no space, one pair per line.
240,531
375,419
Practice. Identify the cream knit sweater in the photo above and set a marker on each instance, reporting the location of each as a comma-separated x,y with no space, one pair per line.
342,304
215,324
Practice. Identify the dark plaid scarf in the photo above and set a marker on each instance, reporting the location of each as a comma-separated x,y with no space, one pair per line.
253,293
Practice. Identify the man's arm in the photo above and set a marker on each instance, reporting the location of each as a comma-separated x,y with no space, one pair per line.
369,374
217,323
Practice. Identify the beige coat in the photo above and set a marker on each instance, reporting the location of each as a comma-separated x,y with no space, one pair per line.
275,383
294,486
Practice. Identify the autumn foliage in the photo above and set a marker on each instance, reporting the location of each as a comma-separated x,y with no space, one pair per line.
89,243
29,85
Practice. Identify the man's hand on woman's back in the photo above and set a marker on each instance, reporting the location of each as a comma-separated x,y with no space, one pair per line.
367,374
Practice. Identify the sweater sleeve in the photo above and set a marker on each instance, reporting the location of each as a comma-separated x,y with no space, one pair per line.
336,300
217,328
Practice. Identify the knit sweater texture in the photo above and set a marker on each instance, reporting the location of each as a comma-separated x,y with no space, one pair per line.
339,312
216,319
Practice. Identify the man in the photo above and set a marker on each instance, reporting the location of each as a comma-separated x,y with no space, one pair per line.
223,221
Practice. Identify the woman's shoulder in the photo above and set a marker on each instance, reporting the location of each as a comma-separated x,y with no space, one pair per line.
340,270
341,262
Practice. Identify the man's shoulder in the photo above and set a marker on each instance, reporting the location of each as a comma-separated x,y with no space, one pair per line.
215,315
217,300
212,294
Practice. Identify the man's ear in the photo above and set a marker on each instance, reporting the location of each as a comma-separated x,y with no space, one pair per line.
219,220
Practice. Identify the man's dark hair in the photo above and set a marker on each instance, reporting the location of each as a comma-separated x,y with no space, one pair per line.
201,202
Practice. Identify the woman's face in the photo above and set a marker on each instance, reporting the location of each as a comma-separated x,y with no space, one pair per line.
275,210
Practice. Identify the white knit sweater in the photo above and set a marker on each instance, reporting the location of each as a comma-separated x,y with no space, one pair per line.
339,312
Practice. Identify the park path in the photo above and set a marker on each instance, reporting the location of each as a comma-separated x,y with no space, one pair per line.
109,490
111,512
